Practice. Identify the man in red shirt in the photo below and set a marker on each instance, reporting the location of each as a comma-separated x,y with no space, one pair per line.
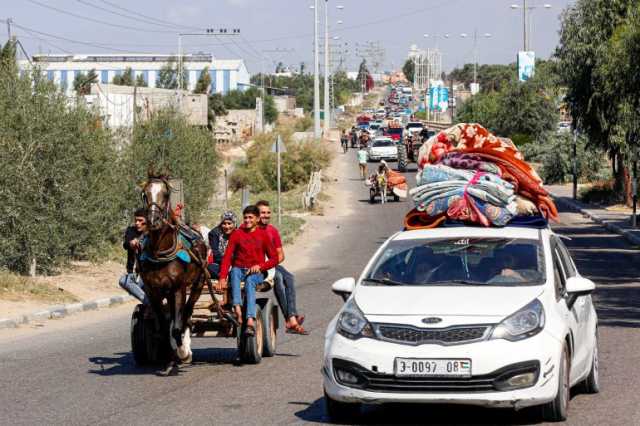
244,258
284,280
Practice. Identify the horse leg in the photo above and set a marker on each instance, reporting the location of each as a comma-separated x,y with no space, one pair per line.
180,333
194,295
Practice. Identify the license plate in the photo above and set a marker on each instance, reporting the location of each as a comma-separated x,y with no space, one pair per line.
433,367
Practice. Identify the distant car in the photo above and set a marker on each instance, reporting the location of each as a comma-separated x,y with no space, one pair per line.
496,317
564,127
414,127
382,148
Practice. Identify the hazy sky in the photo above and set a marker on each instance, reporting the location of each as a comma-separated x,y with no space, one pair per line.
268,25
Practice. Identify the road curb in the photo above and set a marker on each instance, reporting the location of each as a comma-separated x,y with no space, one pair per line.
60,311
572,205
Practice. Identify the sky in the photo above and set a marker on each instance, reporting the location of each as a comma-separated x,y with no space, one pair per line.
282,30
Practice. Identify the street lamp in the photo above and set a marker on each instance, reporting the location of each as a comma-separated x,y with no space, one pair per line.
327,104
526,26
475,53
436,37
316,71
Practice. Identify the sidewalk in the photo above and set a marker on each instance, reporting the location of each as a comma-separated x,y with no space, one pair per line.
615,221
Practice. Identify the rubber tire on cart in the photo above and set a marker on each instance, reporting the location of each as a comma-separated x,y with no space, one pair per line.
592,383
250,348
341,412
396,198
556,410
146,346
402,158
269,327
372,195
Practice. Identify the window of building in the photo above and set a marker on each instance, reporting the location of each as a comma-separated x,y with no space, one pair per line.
104,76
50,75
226,81
213,75
63,79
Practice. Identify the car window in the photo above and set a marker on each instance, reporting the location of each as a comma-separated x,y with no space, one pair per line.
559,274
565,257
383,143
460,261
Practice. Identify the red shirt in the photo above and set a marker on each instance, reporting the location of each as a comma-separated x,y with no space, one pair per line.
246,249
274,236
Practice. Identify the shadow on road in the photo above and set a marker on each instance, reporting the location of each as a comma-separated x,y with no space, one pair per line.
408,414
123,364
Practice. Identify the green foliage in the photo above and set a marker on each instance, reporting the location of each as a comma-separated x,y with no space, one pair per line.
168,76
204,81
168,142
82,82
408,69
555,153
125,79
246,99
62,184
259,171
140,81
303,124
491,77
519,108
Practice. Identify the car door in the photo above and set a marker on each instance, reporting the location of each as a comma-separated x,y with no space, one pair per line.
575,316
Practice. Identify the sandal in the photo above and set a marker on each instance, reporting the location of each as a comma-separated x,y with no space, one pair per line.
297,329
300,319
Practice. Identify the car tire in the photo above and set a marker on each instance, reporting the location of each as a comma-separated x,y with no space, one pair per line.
556,410
592,383
341,412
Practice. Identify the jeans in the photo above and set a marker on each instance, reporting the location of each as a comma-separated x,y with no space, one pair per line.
285,291
134,287
250,282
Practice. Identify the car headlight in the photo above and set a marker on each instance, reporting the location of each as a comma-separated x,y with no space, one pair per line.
352,323
524,323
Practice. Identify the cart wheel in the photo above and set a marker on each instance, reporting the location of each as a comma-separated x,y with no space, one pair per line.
250,347
396,198
139,336
270,329
372,195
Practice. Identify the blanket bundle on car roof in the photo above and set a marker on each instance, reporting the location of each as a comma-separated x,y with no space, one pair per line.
468,174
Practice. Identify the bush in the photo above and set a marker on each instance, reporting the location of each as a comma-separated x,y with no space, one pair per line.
169,143
303,124
556,155
61,182
259,171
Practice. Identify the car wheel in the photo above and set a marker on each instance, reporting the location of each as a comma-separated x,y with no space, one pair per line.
556,410
341,412
592,383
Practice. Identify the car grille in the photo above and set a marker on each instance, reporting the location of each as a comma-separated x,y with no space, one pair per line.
410,335
377,382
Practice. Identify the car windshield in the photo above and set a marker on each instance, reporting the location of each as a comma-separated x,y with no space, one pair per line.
414,125
459,261
383,142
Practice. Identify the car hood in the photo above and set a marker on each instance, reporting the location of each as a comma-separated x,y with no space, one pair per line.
462,300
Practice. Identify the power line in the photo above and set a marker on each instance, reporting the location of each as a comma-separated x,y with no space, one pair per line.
97,21
115,6
130,17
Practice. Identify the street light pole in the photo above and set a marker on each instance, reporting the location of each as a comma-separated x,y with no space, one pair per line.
316,71
327,112
524,24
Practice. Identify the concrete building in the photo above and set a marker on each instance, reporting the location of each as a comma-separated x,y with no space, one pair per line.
226,74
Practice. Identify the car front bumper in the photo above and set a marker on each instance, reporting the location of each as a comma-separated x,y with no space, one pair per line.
491,361
383,156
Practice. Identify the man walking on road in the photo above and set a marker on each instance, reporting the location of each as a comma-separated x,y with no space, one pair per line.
362,162
284,280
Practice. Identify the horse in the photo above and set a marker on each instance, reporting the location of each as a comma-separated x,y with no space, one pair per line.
168,266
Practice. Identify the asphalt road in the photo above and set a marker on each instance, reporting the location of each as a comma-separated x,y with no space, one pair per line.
82,372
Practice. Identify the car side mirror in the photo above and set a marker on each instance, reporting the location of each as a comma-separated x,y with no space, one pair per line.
576,287
344,287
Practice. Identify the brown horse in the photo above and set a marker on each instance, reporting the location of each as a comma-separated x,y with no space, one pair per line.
165,275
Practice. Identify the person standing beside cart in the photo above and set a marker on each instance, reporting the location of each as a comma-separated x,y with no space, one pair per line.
362,162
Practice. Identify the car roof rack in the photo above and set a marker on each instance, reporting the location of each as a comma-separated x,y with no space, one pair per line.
532,222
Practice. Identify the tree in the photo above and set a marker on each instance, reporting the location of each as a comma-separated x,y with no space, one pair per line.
204,81
408,69
125,79
270,111
8,63
168,76
302,68
363,75
140,81
280,68
82,82
585,60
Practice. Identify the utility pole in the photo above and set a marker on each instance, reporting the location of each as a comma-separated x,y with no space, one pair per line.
327,107
9,21
316,77
524,24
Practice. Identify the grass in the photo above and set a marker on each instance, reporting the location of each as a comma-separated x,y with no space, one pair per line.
17,287
600,193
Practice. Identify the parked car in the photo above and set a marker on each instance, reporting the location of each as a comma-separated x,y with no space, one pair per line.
382,148
495,317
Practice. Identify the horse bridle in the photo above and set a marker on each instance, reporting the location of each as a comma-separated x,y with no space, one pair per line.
151,205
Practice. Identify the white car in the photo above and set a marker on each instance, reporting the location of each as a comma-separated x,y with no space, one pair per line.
496,317
382,148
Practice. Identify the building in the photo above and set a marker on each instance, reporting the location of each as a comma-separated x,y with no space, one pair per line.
226,74
115,104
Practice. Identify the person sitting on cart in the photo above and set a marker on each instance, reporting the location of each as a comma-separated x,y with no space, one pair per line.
244,259
132,243
284,280
218,241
